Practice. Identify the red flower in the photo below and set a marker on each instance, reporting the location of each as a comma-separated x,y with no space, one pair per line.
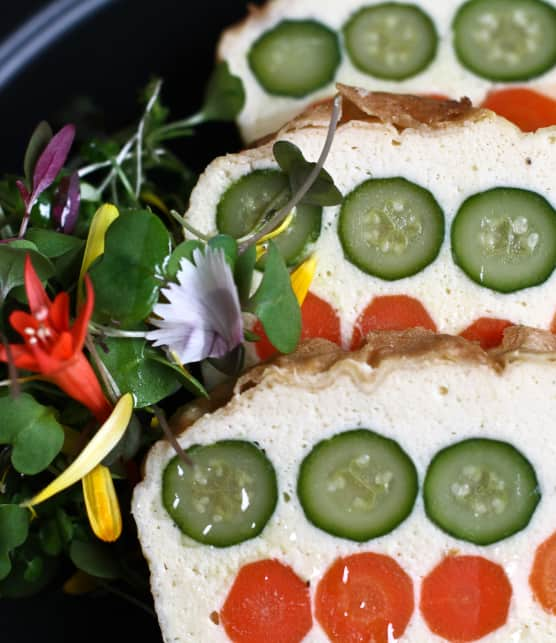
53,348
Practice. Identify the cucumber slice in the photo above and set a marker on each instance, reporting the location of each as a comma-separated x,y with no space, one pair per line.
505,239
248,201
390,40
295,58
506,40
228,495
481,490
357,485
391,228
297,239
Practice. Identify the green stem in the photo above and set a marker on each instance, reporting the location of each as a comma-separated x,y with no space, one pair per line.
298,196
191,121
177,216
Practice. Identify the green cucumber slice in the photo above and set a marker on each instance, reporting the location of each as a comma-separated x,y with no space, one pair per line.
244,204
228,495
505,239
391,40
506,40
391,228
252,198
357,485
481,490
295,58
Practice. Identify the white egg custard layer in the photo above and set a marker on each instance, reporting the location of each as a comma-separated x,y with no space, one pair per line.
431,529
457,216
289,53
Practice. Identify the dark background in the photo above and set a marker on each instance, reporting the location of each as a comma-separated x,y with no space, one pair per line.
108,57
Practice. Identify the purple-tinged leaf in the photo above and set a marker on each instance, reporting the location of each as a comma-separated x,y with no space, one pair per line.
66,203
52,160
40,138
24,193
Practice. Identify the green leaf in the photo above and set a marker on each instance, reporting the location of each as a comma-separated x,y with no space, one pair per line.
14,528
127,277
323,192
225,95
95,558
189,382
39,140
243,274
133,365
183,251
32,430
12,262
50,537
275,304
228,245
54,244
31,570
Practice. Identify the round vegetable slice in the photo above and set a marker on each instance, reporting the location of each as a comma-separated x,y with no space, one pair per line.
251,199
481,490
391,228
244,204
488,331
505,239
526,108
267,601
390,312
391,40
465,598
318,319
506,41
295,58
226,497
357,485
360,596
543,574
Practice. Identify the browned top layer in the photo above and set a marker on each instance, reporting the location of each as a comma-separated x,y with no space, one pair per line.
319,356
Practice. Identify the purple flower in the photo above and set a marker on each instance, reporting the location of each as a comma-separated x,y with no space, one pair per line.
202,317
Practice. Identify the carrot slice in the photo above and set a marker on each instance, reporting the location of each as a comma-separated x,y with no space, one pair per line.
318,319
390,312
528,109
488,331
361,596
543,575
267,602
465,598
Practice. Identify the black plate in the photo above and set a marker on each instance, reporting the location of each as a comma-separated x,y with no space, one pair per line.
52,54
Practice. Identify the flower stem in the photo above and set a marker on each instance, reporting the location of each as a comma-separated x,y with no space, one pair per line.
296,198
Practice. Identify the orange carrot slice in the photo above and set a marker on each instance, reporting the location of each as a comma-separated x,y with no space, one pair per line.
488,331
361,596
465,598
318,319
390,312
543,575
528,109
267,602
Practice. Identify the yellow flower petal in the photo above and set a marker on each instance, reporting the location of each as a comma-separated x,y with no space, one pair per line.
283,226
152,199
102,504
261,249
302,277
80,583
93,454
102,219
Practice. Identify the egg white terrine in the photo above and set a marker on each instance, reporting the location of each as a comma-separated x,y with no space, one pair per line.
446,208
289,53
405,491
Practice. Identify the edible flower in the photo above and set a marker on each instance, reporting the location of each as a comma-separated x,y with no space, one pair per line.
54,348
302,277
202,317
